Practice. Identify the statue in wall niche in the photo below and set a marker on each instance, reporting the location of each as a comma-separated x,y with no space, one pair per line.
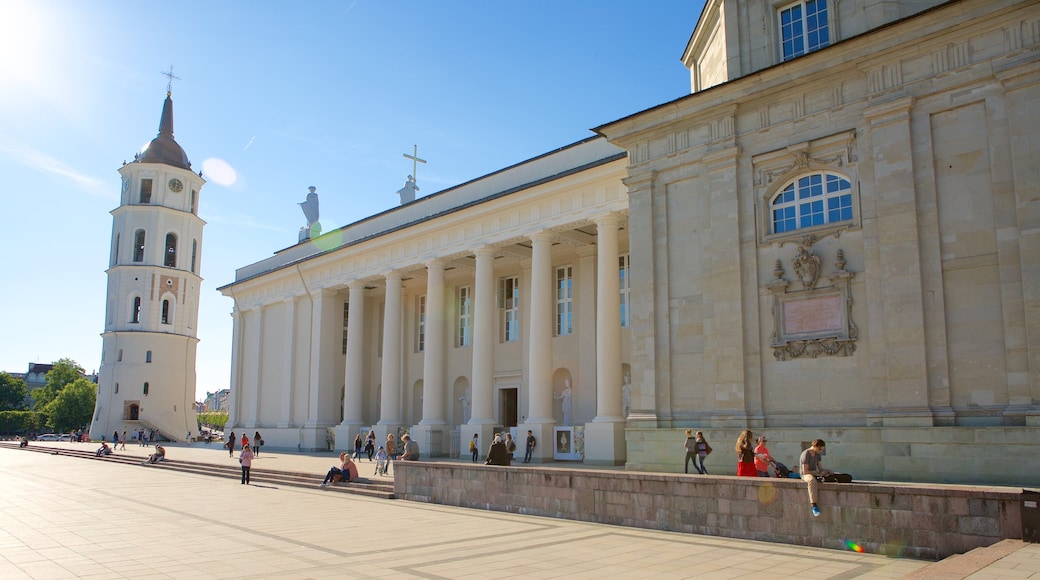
626,395
565,396
806,263
464,399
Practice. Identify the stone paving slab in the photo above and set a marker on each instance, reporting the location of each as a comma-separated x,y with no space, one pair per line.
63,517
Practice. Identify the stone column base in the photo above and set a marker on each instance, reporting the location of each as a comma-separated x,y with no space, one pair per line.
432,440
605,443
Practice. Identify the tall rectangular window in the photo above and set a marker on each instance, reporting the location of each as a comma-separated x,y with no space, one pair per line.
509,294
139,246
625,285
803,28
193,196
564,300
464,325
420,325
146,191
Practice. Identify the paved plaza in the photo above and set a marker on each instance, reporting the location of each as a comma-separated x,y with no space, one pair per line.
65,517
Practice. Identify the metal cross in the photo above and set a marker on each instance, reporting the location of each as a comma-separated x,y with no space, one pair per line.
170,78
415,159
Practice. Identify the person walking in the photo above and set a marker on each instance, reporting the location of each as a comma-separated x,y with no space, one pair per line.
391,452
257,442
231,445
370,444
245,440
529,446
115,439
474,446
122,441
246,459
357,446
745,455
810,466
762,457
703,451
691,452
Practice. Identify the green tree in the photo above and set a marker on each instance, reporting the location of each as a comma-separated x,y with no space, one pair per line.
12,393
73,406
214,419
65,372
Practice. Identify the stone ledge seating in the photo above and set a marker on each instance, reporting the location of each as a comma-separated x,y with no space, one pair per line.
923,521
381,490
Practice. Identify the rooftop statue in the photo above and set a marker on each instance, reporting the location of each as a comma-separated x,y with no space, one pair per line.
407,192
310,211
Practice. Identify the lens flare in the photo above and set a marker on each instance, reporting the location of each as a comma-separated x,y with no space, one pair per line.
219,172
767,493
853,546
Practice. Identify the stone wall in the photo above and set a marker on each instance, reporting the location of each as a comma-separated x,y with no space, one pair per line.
930,522
947,455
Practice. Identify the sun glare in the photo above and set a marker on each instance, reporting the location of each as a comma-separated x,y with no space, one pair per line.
22,42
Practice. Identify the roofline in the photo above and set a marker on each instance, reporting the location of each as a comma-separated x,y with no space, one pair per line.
454,209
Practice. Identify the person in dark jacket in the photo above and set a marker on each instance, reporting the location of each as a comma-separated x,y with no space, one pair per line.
497,454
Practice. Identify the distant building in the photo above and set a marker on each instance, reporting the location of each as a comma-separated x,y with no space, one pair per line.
217,401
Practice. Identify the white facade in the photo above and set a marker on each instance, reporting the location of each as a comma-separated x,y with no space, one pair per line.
835,235
147,376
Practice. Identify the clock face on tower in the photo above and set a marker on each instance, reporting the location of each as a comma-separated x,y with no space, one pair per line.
175,185
126,185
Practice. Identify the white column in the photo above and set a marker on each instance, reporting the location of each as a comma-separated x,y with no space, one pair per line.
436,346
605,435
289,351
484,302
353,375
539,339
390,403
256,341
237,326
608,322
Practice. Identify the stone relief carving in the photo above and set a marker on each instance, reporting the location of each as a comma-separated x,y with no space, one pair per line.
806,263
815,321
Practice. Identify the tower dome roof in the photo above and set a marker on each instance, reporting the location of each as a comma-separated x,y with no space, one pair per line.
163,149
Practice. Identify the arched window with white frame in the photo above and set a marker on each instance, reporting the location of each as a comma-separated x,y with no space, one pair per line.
135,310
139,246
809,201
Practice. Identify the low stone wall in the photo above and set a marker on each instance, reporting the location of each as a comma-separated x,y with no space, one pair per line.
913,520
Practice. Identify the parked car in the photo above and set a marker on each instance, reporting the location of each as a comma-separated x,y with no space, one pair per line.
49,437
64,437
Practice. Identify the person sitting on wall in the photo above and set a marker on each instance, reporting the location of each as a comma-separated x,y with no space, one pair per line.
103,450
811,466
497,453
23,441
411,448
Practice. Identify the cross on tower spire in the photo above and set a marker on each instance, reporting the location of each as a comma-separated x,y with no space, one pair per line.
415,159
170,78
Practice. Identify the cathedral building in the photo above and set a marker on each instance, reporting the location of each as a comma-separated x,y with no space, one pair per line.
836,234
147,376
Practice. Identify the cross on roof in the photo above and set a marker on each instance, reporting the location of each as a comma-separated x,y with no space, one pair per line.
415,159
170,78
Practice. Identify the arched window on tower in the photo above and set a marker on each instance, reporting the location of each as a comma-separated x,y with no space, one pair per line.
194,252
170,260
166,312
146,389
193,196
135,313
115,251
139,246
146,191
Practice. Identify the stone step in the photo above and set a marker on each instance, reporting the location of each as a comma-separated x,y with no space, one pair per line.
374,489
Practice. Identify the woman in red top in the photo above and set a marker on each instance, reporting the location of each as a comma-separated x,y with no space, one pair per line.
746,455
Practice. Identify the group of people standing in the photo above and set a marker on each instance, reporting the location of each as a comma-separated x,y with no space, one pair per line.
503,448
754,460
247,454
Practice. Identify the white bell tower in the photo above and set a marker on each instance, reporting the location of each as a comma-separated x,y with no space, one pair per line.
147,376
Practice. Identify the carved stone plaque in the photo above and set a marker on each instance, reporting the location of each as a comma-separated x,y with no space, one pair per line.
813,315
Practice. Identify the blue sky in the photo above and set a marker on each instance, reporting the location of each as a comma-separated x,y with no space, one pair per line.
274,97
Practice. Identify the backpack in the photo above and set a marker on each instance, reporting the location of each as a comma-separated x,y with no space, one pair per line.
472,445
